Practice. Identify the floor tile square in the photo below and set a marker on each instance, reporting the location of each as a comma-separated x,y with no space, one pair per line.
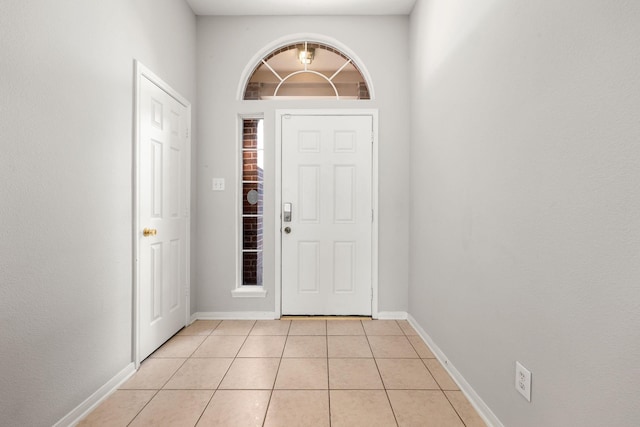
344,327
179,346
308,327
360,408
349,346
234,327
220,346
271,327
197,374
305,346
406,328
309,408
251,374
236,408
262,346
153,374
464,409
303,374
382,327
420,347
200,327
440,374
175,408
119,409
391,347
354,374
405,374
423,408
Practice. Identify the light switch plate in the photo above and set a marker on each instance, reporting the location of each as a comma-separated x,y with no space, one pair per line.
217,184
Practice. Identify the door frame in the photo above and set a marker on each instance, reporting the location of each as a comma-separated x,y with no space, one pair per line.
143,72
374,196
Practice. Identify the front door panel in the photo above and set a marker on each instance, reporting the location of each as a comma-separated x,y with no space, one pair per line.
326,247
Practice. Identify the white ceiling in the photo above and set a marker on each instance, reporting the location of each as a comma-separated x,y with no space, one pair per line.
301,7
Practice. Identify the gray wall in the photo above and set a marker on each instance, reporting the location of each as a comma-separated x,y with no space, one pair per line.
66,85
526,235
525,232
226,46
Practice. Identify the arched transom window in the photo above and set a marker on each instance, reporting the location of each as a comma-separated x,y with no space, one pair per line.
308,70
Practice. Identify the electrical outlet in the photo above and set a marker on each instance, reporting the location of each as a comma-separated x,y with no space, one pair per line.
523,381
217,184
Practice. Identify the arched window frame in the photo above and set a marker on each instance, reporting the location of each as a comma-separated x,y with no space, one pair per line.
257,59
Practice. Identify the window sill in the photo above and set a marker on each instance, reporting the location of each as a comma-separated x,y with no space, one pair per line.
249,292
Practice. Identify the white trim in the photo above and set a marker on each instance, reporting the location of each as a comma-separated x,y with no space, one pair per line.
193,318
374,197
376,215
305,98
391,315
237,191
140,72
483,410
296,38
235,315
249,292
277,250
295,73
99,396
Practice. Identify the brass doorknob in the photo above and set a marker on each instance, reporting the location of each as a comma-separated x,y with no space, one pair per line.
287,230
149,232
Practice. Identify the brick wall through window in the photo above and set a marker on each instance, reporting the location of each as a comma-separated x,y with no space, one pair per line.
252,202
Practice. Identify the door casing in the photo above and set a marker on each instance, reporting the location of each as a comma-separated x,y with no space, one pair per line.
278,196
143,72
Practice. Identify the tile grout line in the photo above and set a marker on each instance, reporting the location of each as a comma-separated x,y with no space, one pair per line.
143,406
273,386
157,391
440,389
225,373
386,392
384,386
454,407
246,337
216,389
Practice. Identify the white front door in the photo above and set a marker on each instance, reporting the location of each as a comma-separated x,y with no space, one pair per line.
327,188
163,215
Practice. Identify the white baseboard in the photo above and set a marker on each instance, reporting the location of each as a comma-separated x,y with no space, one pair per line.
91,402
392,315
234,315
271,315
483,410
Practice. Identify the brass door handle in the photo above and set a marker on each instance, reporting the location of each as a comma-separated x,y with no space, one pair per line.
149,232
287,230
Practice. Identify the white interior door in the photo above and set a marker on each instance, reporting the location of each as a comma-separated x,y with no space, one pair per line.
327,188
163,215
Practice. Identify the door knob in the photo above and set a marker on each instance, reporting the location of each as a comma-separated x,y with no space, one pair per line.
287,230
149,232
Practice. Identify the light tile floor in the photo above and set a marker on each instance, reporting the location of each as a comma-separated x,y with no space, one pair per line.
290,373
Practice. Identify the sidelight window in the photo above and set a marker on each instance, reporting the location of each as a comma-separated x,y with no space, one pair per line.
252,201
